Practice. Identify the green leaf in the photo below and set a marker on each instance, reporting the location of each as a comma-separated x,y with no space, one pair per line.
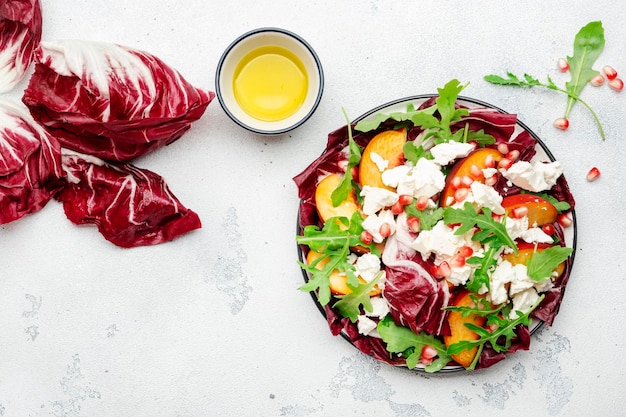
560,206
349,305
588,44
373,123
542,263
428,217
340,194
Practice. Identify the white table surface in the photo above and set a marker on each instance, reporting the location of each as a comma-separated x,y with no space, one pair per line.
212,324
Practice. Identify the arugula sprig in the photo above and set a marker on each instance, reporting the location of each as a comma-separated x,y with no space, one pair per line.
542,263
349,305
499,339
346,185
428,217
588,44
402,340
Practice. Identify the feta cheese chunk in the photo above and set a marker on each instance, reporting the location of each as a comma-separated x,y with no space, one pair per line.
447,152
380,162
375,199
366,326
373,222
367,266
506,273
441,241
537,176
486,196
523,301
424,179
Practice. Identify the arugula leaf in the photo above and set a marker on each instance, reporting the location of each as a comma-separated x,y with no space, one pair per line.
500,339
560,206
368,125
480,307
588,45
349,305
428,217
486,265
414,153
402,340
542,263
344,188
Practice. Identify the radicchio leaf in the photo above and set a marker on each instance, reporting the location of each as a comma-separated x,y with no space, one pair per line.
111,101
30,164
20,33
131,206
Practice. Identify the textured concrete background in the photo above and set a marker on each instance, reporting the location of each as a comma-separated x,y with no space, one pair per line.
212,324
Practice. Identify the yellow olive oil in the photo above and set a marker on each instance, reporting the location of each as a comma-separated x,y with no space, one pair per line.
270,83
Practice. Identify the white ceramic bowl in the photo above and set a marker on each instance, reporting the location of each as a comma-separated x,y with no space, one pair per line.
250,41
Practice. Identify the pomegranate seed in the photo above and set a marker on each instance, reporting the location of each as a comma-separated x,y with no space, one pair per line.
490,162
512,155
476,172
422,202
564,220
466,251
616,84
563,65
428,352
519,212
466,181
491,181
503,148
444,270
474,144
366,237
413,223
561,123
456,182
593,174
461,194
405,199
505,163
597,80
385,230
548,229
497,217
355,173
397,208
457,261
610,72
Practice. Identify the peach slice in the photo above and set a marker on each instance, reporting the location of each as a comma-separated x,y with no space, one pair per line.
324,203
458,330
525,251
338,281
389,146
540,210
469,167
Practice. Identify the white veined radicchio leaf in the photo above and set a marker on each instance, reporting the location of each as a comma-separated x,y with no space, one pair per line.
30,163
20,33
131,206
110,101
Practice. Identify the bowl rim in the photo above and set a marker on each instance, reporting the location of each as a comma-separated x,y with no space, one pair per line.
298,39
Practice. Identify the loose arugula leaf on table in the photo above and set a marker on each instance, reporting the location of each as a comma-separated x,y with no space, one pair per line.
402,340
588,44
349,305
342,191
499,339
542,263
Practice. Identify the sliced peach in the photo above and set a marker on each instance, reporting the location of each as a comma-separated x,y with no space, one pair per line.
469,166
324,203
458,330
338,281
389,146
540,210
525,251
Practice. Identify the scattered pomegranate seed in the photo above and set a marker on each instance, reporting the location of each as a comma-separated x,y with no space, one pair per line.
490,162
355,173
466,251
476,172
505,163
366,237
512,155
397,208
457,261
519,212
563,65
461,194
466,181
561,123
597,80
422,202
385,230
456,182
610,72
413,223
593,174
617,84
548,229
503,148
497,217
442,270
564,220
405,199
428,352
491,181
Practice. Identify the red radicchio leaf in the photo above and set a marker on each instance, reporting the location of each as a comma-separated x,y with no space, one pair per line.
110,101
30,164
131,206
20,33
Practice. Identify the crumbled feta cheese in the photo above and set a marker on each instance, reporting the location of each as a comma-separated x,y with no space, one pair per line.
377,199
523,301
459,274
367,266
373,222
380,162
424,179
489,172
516,227
380,308
502,275
537,176
447,152
486,196
536,234
366,326
441,241
520,281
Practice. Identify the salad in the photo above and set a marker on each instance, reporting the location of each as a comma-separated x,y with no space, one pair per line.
435,237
